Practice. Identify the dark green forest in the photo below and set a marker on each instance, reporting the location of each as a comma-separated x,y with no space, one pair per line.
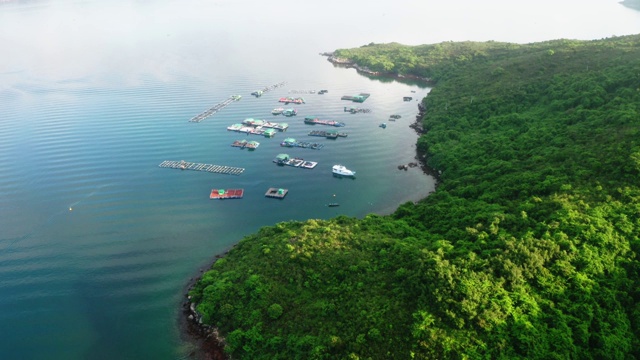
528,249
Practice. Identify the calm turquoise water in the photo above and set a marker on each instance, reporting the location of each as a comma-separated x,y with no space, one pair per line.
97,242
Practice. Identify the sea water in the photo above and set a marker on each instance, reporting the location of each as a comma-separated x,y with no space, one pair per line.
97,242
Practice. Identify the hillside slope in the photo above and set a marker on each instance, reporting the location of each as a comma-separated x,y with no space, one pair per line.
528,249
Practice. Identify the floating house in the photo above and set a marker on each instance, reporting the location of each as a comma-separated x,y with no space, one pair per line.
221,194
285,159
288,100
291,142
290,112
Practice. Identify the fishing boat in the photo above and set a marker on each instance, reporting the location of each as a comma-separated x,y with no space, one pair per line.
333,204
277,111
341,170
383,125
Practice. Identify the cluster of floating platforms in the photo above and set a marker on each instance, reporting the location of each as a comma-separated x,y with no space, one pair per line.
242,144
327,134
357,98
215,108
277,193
185,165
226,194
287,100
314,120
356,110
291,142
284,159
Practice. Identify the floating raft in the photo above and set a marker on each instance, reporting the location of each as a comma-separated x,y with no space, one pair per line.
215,108
226,194
251,145
357,98
290,142
277,193
252,130
356,110
185,165
266,124
327,134
287,100
314,120
284,159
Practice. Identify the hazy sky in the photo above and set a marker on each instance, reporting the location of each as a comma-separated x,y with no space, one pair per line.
72,38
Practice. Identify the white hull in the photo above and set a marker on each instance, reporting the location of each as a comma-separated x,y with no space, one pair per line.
342,171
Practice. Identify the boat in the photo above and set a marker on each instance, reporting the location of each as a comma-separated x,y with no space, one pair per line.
333,204
341,170
277,111
383,125
257,93
290,112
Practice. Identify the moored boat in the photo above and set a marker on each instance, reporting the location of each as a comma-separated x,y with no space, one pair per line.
341,170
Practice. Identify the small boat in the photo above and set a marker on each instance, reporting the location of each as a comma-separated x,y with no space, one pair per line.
277,111
333,204
383,125
341,170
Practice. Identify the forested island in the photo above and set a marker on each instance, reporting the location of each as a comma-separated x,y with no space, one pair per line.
528,249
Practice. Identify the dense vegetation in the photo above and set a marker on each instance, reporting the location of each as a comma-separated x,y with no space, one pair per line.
528,249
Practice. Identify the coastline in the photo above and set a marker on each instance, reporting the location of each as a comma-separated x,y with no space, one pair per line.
348,63
205,339
207,342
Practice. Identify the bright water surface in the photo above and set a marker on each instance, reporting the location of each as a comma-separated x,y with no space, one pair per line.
97,242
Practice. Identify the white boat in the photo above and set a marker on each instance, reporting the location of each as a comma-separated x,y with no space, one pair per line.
342,171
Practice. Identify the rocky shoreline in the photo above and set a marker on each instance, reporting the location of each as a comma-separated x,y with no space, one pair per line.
207,342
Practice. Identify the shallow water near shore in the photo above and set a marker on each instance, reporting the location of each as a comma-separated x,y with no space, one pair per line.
97,242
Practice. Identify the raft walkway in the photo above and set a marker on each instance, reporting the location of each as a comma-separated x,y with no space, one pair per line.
214,109
185,165
274,86
290,142
356,110
327,134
